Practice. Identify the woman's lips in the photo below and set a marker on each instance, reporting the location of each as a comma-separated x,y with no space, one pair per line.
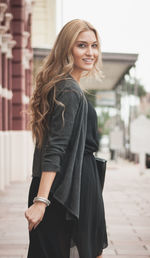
88,60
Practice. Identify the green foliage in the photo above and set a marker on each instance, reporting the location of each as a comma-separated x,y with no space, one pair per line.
102,122
104,117
141,91
148,114
134,88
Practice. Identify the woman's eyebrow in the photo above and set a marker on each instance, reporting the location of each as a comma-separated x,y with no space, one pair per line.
85,41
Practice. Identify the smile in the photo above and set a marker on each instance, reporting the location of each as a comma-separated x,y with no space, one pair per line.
88,60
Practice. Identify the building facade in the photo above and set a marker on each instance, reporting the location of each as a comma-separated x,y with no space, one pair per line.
15,89
24,25
47,20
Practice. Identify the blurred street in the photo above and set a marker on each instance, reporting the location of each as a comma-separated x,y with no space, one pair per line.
127,207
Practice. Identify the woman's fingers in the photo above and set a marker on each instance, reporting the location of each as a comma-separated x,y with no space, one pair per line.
35,225
33,222
34,215
31,226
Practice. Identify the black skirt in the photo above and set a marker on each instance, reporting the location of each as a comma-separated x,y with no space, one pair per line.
51,238
89,234
57,237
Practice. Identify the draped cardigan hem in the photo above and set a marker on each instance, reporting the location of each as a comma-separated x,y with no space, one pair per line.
63,149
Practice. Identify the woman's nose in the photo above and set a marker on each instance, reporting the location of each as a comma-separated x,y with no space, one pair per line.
89,51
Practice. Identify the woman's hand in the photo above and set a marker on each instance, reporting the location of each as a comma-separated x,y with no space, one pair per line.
34,214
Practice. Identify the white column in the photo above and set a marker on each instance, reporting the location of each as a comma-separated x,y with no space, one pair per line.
2,171
21,155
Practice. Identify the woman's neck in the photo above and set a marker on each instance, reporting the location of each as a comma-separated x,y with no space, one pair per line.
76,76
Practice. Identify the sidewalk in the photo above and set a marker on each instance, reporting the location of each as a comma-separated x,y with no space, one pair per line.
127,208
13,226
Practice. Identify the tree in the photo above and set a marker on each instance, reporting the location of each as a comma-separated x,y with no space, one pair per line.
134,88
102,122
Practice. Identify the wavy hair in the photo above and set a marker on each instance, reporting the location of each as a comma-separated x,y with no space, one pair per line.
56,66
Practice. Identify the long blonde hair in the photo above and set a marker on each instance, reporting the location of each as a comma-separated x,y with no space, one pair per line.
56,66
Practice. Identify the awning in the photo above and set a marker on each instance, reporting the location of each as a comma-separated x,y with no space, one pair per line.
115,66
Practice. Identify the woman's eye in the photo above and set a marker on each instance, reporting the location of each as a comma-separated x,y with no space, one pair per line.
94,45
82,45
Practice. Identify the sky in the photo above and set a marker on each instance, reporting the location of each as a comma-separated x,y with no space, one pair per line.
123,26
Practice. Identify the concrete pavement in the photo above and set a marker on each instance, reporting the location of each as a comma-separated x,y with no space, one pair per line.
127,208
13,226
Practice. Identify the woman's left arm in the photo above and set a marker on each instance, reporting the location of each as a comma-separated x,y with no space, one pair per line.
35,212
53,151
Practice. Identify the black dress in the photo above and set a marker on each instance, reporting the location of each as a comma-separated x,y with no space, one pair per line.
55,237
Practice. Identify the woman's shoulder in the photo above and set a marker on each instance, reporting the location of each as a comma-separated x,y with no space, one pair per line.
69,85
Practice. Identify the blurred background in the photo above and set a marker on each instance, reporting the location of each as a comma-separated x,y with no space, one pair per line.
28,29
122,99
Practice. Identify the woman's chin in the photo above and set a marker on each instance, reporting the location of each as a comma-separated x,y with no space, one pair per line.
88,69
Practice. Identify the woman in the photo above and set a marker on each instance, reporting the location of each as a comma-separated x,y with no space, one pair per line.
65,175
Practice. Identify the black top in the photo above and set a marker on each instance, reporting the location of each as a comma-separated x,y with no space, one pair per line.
92,139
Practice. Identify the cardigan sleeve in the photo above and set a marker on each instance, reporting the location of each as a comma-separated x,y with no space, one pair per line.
59,135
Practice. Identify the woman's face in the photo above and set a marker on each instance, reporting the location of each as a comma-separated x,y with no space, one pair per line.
85,52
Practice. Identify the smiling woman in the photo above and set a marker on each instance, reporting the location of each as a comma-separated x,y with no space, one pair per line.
64,126
85,53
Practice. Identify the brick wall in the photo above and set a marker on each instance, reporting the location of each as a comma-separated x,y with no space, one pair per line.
15,89
16,63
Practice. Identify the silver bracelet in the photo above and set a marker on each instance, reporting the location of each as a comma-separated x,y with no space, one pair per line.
41,199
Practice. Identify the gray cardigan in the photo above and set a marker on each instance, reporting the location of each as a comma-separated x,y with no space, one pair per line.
63,146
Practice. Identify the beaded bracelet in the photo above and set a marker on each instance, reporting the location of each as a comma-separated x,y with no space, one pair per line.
41,199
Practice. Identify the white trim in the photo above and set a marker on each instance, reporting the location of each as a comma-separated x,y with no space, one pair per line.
10,45
0,89
25,35
16,156
5,93
5,39
2,163
2,31
27,56
3,8
25,99
21,155
8,18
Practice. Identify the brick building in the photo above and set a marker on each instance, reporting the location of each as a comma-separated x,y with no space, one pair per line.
15,89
